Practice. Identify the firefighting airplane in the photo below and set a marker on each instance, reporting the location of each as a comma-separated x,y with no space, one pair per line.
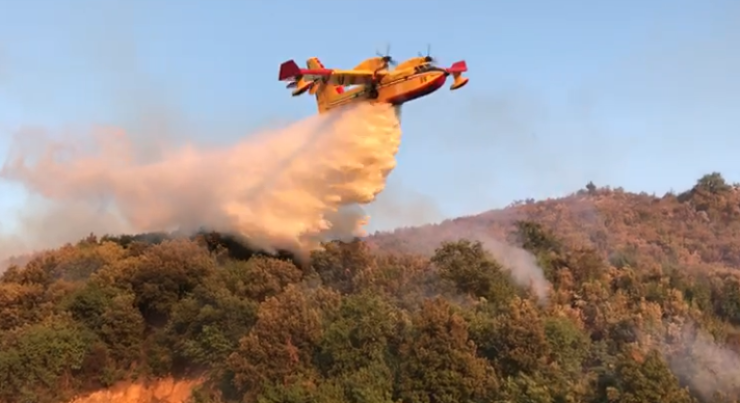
373,81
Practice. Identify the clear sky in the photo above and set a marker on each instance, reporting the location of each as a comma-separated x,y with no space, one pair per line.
639,94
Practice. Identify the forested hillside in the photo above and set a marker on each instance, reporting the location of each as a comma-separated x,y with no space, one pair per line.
642,304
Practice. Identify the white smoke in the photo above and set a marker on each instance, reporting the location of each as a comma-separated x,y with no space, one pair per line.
282,189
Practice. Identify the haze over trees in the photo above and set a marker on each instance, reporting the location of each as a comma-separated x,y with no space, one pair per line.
643,306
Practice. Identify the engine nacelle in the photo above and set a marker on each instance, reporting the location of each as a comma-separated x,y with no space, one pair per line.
301,86
412,63
459,82
372,64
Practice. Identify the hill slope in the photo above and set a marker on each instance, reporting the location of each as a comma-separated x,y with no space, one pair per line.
615,297
704,220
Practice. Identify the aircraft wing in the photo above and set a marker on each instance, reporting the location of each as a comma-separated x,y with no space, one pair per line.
290,71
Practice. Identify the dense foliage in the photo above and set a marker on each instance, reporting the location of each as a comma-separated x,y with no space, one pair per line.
643,307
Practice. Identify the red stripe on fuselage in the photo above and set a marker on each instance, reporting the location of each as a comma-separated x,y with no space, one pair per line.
316,72
426,89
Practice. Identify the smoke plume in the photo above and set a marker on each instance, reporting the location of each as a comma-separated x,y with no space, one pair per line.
522,266
286,189
708,366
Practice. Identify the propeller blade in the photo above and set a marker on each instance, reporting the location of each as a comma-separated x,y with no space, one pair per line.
387,59
428,57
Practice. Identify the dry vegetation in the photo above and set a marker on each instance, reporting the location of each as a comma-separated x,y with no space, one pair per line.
644,306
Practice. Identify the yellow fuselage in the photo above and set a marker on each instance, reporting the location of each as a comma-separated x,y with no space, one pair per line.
395,88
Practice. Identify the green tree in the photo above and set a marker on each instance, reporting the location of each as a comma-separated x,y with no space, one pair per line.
568,345
713,183
466,265
728,301
302,392
439,362
357,349
513,339
282,344
166,273
535,238
38,362
340,262
111,314
644,380
205,327
591,188
259,277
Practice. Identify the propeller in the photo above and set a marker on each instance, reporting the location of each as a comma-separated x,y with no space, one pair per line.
428,58
387,59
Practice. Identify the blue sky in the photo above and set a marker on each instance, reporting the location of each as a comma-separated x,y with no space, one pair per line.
638,94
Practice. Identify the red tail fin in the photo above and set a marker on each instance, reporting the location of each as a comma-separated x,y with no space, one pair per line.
458,67
289,70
